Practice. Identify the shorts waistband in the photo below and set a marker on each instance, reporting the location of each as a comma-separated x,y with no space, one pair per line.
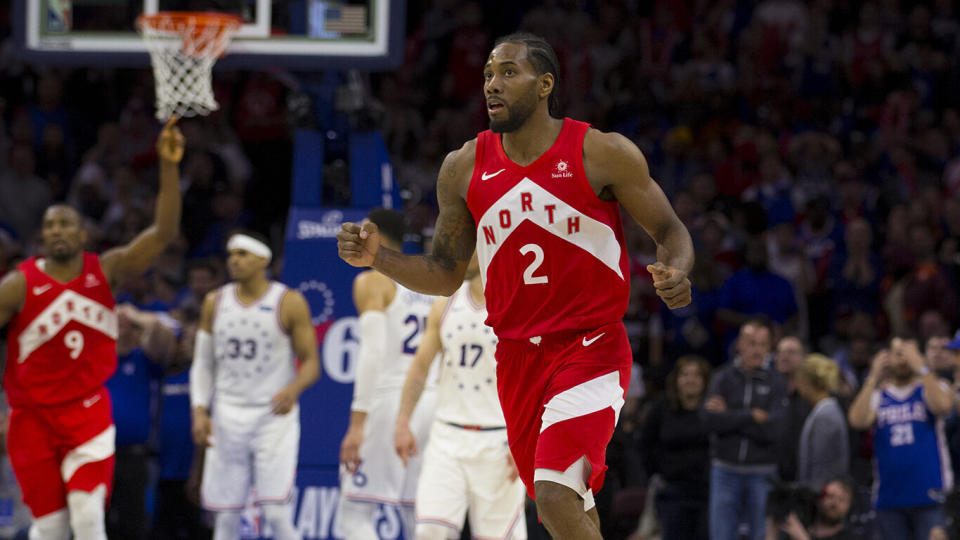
475,428
557,338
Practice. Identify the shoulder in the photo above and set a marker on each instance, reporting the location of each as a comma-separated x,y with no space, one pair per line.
458,164
603,148
372,290
371,280
293,302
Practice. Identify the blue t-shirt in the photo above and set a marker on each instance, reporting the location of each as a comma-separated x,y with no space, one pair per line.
133,394
910,450
176,444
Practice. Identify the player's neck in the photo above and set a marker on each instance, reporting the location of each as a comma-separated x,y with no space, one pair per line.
476,291
62,271
532,139
252,289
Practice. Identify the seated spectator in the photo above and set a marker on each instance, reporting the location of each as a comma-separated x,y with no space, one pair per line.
830,518
823,451
903,401
674,445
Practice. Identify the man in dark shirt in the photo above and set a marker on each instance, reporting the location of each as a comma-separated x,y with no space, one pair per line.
830,522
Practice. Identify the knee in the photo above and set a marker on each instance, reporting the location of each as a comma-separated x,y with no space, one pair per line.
53,526
555,500
87,513
432,531
278,514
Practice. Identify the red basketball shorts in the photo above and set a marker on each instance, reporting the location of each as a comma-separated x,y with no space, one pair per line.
61,448
561,398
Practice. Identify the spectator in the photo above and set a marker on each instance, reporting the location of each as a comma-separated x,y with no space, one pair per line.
178,515
939,358
744,410
823,451
143,344
789,355
756,291
23,195
903,402
830,518
674,444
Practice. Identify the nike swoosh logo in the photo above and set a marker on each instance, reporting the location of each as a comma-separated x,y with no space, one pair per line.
88,402
486,176
588,342
41,289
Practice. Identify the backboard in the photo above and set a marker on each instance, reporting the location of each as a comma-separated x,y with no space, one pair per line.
301,34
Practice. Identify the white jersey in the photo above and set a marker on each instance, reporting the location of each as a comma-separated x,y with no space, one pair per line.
467,392
254,358
406,321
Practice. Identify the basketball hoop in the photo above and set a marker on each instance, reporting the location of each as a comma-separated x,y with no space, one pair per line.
183,48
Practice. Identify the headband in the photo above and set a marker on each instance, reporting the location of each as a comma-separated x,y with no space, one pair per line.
250,244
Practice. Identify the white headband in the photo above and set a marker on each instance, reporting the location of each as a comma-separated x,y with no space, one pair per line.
250,244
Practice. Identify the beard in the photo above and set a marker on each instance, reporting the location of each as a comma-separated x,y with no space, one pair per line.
62,255
902,374
831,520
517,114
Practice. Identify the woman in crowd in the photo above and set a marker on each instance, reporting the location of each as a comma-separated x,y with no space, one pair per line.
824,449
675,447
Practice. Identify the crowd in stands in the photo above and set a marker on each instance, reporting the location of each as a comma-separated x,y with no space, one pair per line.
812,148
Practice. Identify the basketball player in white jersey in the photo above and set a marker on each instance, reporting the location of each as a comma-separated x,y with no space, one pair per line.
467,464
391,319
244,387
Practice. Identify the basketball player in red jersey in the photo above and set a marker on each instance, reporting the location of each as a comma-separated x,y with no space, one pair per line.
61,348
540,198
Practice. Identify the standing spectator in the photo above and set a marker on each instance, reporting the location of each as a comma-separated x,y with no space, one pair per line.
178,515
23,195
905,403
789,355
143,344
939,358
824,447
744,411
674,445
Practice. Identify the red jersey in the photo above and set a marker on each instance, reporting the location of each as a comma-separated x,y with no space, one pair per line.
552,254
62,345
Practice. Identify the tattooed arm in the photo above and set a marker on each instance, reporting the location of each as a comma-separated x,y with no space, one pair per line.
455,236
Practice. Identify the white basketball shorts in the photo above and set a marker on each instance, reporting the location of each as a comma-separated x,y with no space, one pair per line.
469,470
381,477
252,447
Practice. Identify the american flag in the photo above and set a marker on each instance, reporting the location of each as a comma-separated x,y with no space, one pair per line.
346,19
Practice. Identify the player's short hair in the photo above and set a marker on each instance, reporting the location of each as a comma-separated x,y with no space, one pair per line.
543,59
390,222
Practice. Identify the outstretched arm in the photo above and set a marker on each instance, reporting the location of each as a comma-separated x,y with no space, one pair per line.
618,165
135,257
404,442
295,313
441,272
13,290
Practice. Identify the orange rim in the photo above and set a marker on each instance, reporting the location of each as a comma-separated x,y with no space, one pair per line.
199,19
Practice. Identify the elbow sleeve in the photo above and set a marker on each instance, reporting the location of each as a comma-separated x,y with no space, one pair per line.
201,371
373,333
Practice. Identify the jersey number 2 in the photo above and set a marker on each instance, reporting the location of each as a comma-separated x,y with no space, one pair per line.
419,323
528,277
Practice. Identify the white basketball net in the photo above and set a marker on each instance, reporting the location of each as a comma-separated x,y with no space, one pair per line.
183,49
